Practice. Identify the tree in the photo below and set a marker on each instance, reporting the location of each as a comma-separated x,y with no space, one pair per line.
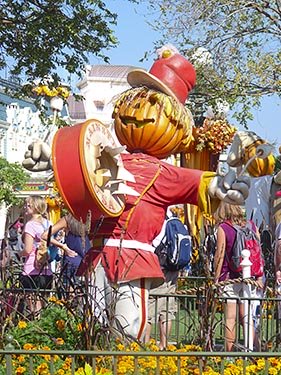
12,178
40,36
243,37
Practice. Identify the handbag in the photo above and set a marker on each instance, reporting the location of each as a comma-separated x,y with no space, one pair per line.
42,253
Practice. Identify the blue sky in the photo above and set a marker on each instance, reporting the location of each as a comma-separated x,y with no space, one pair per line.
136,37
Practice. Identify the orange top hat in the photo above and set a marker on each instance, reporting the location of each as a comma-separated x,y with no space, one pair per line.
171,74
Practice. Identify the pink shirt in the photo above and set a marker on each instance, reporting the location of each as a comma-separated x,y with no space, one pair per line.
35,229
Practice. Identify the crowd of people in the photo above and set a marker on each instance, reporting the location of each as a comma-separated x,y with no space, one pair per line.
68,240
69,237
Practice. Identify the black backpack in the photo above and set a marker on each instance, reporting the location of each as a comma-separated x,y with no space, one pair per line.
175,248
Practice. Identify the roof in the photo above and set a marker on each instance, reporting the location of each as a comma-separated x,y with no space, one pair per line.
6,100
110,71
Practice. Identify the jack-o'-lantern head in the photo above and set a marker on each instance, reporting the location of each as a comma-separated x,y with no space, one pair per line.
152,122
151,117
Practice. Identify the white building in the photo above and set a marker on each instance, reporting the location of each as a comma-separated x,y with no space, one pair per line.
20,122
100,85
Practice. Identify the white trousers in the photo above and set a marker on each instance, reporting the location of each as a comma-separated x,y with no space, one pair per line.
123,306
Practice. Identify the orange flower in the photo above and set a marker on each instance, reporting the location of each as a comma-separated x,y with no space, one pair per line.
20,370
60,324
28,347
59,341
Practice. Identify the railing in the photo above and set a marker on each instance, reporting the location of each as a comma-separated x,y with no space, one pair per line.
199,322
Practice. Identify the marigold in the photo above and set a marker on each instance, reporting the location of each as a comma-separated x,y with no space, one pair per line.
41,369
21,358
60,324
52,299
20,370
22,324
272,371
28,346
59,341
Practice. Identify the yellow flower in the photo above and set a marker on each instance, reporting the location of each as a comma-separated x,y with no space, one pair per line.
42,369
60,324
52,299
20,370
260,364
80,371
28,347
79,327
120,347
273,371
21,358
22,324
59,341
44,90
67,363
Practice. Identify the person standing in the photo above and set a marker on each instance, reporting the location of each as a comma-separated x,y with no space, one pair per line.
277,264
32,277
75,239
226,216
277,254
166,306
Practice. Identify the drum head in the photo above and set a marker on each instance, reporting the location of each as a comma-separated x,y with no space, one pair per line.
85,168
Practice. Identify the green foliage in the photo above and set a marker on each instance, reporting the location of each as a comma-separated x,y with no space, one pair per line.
56,329
243,40
40,37
12,178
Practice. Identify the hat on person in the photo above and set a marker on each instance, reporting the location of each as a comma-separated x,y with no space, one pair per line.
171,74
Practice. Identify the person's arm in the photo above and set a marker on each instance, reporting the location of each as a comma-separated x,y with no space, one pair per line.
277,260
220,252
259,280
59,225
27,245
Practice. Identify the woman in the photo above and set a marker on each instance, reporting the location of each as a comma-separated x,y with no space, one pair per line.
76,239
32,277
226,216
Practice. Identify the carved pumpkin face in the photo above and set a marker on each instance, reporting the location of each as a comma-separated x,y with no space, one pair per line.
151,122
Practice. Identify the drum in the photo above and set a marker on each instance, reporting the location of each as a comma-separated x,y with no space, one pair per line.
85,161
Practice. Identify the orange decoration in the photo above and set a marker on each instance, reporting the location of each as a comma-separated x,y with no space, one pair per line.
152,122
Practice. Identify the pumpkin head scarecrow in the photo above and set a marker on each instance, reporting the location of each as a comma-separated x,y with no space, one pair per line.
127,194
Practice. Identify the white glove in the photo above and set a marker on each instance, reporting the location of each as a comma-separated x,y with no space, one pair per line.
230,188
277,178
38,157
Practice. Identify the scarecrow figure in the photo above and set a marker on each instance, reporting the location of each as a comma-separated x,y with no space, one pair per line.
128,191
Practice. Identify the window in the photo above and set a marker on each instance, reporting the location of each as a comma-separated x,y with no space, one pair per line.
99,105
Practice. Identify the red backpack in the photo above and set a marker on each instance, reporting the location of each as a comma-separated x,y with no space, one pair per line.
246,238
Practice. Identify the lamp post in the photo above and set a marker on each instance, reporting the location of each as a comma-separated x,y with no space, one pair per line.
56,105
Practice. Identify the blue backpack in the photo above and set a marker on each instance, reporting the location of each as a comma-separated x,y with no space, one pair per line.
175,249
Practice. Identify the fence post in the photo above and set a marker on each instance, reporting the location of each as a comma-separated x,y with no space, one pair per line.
248,319
9,346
